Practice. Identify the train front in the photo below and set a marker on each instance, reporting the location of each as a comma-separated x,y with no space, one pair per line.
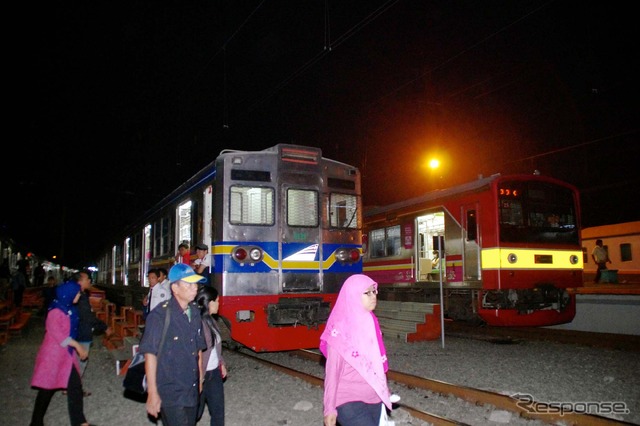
537,257
288,235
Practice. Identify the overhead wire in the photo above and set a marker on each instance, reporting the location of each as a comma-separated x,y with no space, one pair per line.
321,54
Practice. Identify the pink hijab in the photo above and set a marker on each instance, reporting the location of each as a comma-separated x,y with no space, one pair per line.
355,334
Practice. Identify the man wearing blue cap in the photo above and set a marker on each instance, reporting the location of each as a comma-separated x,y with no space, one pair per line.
173,371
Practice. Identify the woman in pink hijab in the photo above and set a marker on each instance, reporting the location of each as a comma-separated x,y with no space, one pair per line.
355,383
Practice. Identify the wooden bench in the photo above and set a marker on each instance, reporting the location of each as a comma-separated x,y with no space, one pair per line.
21,320
106,312
129,325
7,316
32,298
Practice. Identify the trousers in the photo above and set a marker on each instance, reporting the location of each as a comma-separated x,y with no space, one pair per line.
75,402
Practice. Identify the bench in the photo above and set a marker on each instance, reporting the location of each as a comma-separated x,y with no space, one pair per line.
32,298
7,316
20,322
128,326
106,312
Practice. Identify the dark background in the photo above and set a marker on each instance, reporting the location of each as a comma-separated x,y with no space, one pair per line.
120,102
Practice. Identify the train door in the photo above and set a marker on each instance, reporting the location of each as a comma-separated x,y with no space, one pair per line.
471,258
207,214
183,225
125,261
146,255
300,240
428,265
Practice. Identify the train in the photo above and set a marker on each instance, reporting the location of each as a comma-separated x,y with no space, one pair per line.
622,242
284,230
500,250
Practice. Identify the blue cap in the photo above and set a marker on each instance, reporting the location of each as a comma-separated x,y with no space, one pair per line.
184,272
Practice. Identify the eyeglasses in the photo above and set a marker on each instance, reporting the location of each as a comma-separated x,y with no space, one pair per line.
371,293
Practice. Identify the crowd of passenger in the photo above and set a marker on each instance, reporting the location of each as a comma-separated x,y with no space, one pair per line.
182,347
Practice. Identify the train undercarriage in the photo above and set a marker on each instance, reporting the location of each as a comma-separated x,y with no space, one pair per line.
475,305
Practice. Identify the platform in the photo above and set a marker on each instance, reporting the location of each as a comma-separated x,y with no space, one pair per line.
601,309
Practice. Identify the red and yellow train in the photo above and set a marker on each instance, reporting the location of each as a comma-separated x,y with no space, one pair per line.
504,249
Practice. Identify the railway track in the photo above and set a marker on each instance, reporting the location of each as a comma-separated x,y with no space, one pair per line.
525,408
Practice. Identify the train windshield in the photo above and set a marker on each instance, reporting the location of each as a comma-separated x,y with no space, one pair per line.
537,212
343,211
251,205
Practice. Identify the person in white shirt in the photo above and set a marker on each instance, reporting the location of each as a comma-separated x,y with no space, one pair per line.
160,289
601,257
202,263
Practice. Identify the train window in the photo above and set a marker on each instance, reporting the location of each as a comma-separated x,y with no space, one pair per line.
136,244
250,205
343,211
162,236
511,212
625,252
472,226
385,242
540,212
302,207
184,222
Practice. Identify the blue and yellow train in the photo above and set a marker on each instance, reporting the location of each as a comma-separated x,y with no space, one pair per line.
283,227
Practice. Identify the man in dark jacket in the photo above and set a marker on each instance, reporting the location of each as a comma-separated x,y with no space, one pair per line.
89,323
20,281
173,370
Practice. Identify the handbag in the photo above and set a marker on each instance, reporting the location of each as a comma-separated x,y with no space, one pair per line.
135,380
384,417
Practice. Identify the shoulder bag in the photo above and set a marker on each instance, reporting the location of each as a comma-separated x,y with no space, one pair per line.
135,380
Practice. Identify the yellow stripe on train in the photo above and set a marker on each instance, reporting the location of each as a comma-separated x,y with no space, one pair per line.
512,258
387,267
288,264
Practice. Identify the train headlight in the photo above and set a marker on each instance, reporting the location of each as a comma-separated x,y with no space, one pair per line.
342,254
512,258
247,254
255,254
573,259
239,254
347,255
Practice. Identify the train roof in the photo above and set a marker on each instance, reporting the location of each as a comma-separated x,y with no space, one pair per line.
454,191
209,171
611,230
433,195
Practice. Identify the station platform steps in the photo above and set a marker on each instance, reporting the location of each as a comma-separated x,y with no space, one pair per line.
409,321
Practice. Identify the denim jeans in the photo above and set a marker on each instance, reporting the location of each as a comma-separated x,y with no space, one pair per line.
359,414
213,396
175,415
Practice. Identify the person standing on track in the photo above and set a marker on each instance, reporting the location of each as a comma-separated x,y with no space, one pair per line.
355,383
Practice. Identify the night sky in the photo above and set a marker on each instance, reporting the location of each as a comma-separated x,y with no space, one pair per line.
120,103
